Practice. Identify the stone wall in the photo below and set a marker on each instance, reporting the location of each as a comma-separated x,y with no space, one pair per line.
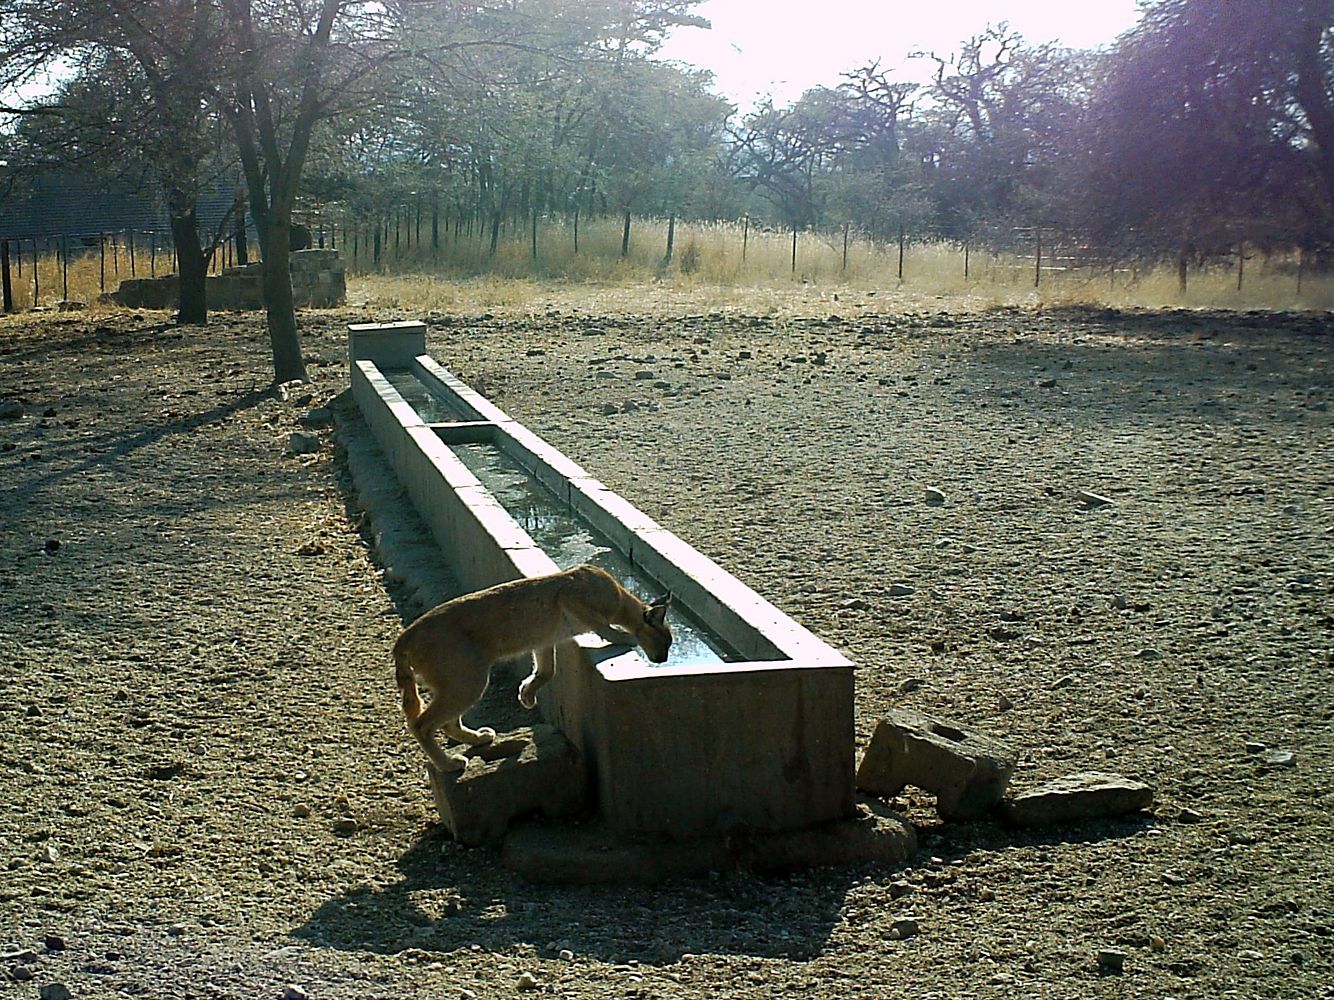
318,282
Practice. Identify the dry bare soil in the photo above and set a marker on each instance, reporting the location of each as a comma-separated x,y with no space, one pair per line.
206,789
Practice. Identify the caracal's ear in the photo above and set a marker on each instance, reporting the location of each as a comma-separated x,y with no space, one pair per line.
657,610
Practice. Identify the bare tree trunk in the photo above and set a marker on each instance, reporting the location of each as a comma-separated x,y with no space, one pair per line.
625,236
192,269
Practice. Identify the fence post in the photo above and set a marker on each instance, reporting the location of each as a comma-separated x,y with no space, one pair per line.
745,236
671,238
64,268
131,240
102,262
1241,264
4,270
1301,266
965,260
846,226
1037,266
36,267
794,248
901,239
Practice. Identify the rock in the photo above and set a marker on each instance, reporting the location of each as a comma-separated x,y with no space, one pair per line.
935,496
1189,816
1156,943
301,810
533,770
54,991
345,825
566,955
51,546
54,942
302,444
1077,797
21,973
1090,499
527,982
901,590
904,927
291,992
321,416
1111,962
967,772
1278,758
10,409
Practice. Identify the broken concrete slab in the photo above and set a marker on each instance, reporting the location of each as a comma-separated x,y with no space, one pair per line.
592,853
521,772
967,772
1077,797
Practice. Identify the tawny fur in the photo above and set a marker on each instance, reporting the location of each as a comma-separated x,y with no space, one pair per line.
450,649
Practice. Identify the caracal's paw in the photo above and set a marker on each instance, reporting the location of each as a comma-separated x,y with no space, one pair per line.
484,735
449,763
527,698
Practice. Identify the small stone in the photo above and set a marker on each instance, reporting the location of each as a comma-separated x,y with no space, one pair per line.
291,992
345,825
10,409
1253,747
1004,704
51,546
566,955
1187,815
1090,499
302,444
301,810
1148,653
1111,962
901,590
903,928
1278,758
1062,682
527,982
321,416
935,496
21,973
54,942
609,408
899,889
986,895
1118,602
1076,798
1156,943
54,991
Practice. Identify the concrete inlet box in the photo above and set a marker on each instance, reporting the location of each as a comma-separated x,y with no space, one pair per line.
748,724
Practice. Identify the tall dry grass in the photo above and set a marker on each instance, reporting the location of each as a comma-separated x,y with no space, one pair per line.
714,267
719,266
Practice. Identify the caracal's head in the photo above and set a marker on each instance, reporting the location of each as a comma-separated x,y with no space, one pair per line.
655,635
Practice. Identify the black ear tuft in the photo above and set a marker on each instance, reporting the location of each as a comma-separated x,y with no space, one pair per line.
665,601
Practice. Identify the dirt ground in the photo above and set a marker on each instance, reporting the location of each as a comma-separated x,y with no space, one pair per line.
206,789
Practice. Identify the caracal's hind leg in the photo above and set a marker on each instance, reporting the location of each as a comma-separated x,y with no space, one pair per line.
437,716
544,668
455,729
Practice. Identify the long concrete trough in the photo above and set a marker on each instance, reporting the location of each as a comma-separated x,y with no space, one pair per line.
750,723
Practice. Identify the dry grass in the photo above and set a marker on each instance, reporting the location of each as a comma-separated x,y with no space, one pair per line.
710,272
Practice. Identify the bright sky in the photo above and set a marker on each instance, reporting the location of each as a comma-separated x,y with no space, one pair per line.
784,47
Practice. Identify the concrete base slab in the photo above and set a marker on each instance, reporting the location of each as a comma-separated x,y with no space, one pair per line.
1077,797
967,772
521,772
590,853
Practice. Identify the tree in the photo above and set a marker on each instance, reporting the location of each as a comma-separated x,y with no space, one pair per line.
1215,125
137,53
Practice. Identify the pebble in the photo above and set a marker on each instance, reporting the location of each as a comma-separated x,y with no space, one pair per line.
1090,499
302,444
291,992
345,825
10,409
1188,815
301,810
934,495
527,982
20,973
566,955
903,928
1111,962
1156,943
54,991
1278,758
54,942
901,590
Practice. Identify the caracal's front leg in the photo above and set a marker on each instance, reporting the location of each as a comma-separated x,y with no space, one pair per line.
544,668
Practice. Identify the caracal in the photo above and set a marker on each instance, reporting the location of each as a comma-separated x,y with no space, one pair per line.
450,649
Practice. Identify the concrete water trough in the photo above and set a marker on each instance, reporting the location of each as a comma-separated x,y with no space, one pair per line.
750,723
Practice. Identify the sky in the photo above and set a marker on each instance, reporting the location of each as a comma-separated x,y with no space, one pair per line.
784,47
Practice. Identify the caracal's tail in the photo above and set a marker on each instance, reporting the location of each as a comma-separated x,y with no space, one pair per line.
407,686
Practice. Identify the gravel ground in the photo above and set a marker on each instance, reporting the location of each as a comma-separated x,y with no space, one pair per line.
205,785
